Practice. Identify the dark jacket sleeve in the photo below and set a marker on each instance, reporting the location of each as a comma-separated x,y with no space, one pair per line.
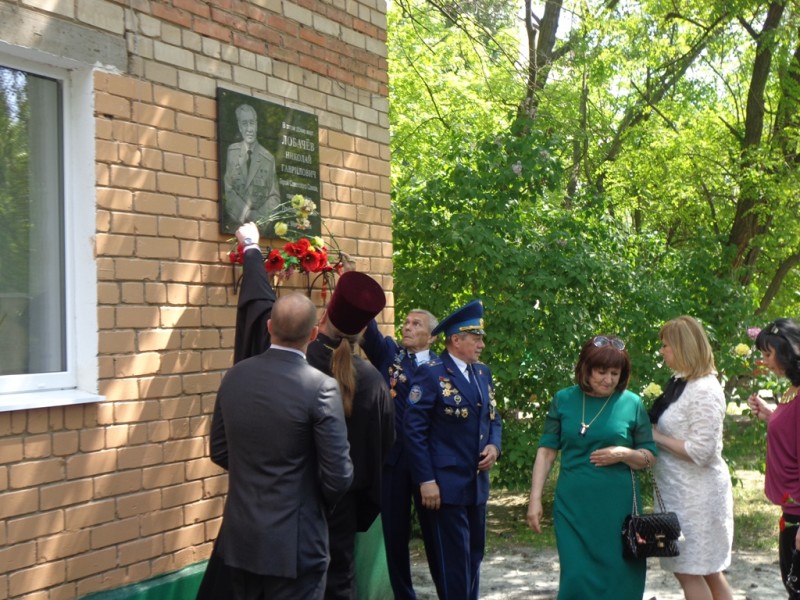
333,449
380,349
218,441
256,298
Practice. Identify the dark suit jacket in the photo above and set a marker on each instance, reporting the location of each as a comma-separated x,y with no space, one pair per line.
447,425
279,430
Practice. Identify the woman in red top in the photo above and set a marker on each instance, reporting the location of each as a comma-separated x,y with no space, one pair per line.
779,343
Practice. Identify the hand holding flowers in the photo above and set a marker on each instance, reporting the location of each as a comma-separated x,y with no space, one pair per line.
300,254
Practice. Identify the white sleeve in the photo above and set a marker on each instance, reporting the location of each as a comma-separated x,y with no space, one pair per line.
706,415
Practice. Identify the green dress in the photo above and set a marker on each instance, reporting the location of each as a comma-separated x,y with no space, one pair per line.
592,502
372,573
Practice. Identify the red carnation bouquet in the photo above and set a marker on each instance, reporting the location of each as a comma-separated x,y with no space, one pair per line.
307,255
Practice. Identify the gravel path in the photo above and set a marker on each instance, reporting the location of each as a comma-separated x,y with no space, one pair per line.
525,574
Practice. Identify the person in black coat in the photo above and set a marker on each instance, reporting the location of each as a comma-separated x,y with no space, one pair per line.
369,413
369,421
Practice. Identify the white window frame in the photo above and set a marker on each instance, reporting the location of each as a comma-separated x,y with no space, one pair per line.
79,382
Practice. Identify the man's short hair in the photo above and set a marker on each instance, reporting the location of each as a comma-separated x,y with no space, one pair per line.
460,335
292,319
244,108
432,321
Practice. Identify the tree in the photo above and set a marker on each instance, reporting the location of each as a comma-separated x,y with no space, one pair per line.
642,198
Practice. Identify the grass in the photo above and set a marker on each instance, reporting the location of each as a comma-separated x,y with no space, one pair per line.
755,518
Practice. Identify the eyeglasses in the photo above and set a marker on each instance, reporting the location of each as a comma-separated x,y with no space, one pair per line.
601,341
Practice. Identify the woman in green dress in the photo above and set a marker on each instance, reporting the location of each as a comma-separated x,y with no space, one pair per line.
602,431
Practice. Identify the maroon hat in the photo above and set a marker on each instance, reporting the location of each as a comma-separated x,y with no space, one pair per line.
356,300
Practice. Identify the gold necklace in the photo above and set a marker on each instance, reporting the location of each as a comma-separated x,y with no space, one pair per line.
584,425
788,395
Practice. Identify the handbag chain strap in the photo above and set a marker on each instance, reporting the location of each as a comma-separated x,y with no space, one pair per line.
657,492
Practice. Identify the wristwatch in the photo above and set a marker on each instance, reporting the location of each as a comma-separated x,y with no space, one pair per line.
248,241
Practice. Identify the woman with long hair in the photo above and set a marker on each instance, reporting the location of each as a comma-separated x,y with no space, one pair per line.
779,343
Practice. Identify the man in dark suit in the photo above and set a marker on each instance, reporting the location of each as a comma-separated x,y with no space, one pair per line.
397,362
453,432
279,430
251,183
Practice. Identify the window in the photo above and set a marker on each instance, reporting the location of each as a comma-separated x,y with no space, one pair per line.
48,323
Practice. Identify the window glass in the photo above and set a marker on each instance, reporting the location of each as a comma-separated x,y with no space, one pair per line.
33,336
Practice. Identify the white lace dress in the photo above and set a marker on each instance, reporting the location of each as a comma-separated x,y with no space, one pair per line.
699,491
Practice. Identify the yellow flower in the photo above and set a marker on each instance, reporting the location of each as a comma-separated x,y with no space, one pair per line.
741,350
281,228
298,201
652,390
317,242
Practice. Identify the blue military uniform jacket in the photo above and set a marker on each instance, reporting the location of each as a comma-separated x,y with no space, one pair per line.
397,367
448,423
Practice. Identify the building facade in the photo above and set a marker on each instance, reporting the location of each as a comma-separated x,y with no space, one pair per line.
117,304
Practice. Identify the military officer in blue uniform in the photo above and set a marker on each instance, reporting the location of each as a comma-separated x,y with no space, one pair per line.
397,362
452,436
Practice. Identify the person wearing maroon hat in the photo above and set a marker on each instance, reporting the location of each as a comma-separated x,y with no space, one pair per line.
369,414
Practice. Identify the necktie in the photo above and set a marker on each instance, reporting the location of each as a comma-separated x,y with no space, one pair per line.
249,157
413,358
474,381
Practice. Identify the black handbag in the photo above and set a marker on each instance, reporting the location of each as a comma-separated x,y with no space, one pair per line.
654,534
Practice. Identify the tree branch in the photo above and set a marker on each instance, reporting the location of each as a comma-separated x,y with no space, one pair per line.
786,265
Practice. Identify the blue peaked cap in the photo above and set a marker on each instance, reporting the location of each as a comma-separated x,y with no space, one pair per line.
467,319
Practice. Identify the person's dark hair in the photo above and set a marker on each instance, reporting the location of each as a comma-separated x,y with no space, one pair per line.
606,356
782,336
293,318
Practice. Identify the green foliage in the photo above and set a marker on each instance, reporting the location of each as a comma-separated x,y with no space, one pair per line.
549,277
611,207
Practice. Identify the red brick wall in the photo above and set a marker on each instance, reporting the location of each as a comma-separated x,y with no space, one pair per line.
96,496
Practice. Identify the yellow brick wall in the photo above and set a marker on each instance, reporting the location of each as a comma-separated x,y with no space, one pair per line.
96,496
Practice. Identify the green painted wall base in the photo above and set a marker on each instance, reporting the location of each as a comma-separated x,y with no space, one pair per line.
180,585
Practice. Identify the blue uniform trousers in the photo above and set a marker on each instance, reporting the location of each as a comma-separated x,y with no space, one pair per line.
398,492
457,542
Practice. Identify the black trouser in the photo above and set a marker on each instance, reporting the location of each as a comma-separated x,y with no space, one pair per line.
223,582
786,546
341,578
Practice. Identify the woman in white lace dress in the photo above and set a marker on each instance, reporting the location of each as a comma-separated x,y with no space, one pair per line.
691,473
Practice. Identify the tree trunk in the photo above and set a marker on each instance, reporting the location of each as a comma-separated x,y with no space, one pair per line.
745,225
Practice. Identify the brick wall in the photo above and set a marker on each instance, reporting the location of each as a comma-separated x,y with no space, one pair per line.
99,495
